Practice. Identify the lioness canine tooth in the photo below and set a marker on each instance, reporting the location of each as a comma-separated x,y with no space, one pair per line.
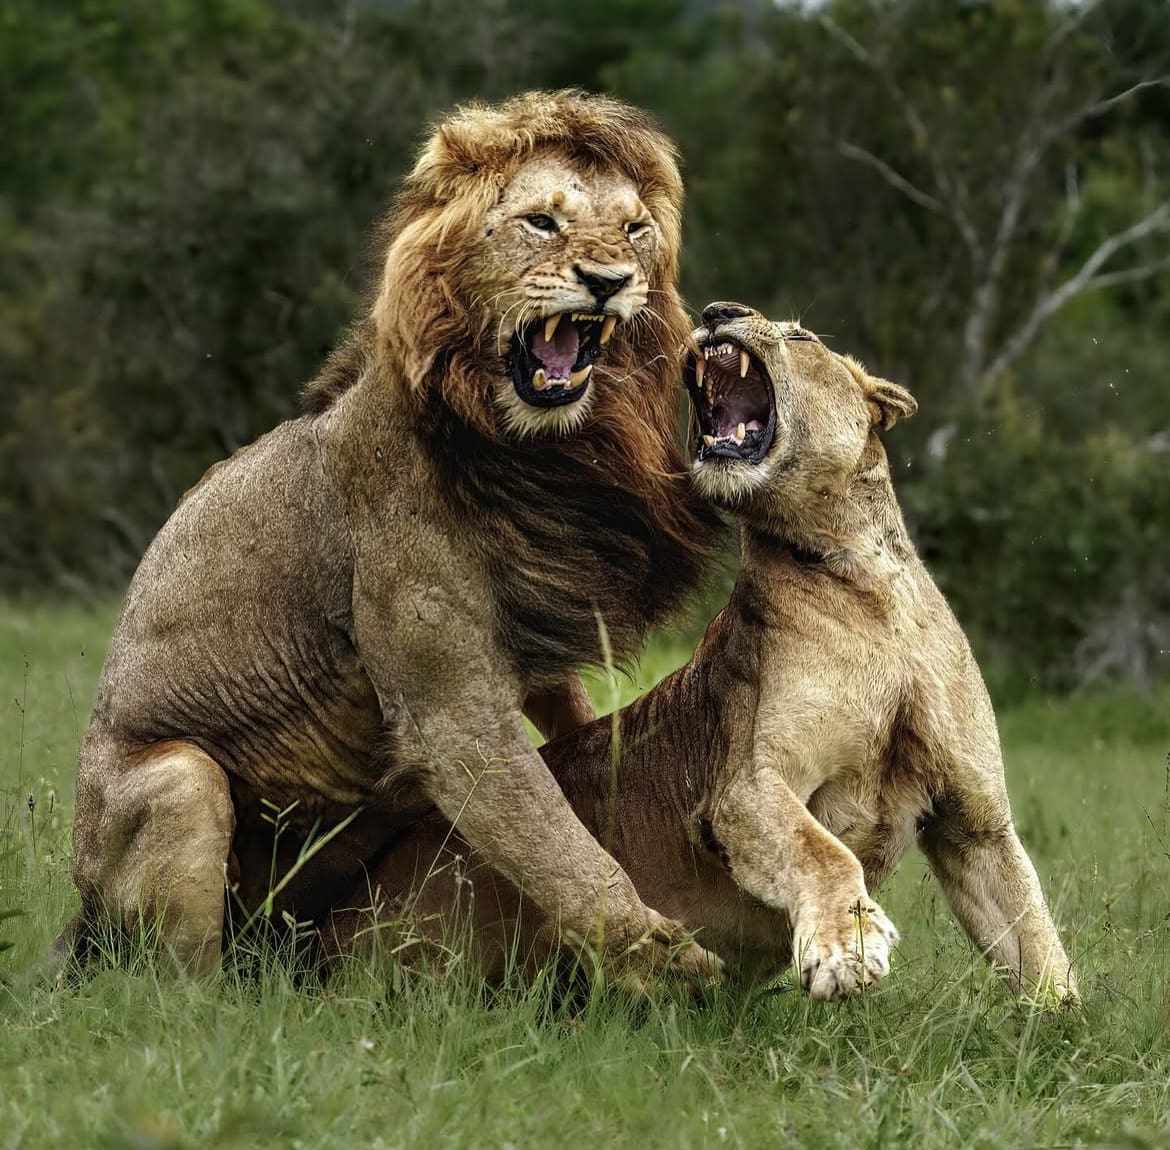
539,377
550,326
607,329
744,363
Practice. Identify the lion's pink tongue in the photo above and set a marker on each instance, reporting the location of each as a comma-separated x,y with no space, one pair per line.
560,353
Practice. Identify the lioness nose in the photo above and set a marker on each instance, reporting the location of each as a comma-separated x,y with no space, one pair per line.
602,282
720,312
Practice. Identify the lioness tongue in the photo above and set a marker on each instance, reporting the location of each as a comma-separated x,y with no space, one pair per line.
560,353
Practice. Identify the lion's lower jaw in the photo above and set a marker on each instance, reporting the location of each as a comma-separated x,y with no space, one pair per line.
525,421
729,483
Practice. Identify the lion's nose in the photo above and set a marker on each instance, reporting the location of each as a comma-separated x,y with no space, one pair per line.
602,282
720,312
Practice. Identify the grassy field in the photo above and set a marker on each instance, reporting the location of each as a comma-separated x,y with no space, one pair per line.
938,1055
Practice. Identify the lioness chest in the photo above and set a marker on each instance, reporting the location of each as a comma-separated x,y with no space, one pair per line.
845,702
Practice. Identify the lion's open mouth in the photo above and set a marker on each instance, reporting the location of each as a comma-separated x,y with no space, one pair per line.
734,403
552,357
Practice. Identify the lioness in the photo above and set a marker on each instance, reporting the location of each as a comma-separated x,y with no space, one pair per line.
832,715
347,618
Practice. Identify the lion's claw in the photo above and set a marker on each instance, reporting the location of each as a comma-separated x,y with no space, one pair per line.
666,952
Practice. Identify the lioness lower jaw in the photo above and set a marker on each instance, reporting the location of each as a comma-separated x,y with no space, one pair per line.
728,483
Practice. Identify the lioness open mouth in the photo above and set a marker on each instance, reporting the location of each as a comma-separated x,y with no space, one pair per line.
734,403
552,358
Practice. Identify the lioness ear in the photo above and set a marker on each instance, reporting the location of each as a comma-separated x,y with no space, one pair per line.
888,402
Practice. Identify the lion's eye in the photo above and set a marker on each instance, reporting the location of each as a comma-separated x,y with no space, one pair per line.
636,227
542,223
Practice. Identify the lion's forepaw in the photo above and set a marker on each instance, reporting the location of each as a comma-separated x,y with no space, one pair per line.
665,951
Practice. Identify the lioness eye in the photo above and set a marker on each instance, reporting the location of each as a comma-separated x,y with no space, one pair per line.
542,223
636,227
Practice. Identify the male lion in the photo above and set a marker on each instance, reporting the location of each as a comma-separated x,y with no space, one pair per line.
347,618
832,715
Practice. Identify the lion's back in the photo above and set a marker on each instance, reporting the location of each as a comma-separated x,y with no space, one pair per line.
235,630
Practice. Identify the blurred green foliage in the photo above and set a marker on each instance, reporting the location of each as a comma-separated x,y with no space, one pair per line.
188,188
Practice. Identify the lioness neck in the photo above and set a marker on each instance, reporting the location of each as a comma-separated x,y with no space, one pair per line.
672,742
854,533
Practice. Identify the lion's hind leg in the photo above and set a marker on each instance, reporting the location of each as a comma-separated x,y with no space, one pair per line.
151,840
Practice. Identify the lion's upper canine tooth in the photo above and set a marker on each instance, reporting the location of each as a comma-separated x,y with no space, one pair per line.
550,326
607,328
700,367
539,377
579,377
744,364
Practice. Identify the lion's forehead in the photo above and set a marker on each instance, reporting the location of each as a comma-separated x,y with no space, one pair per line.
550,182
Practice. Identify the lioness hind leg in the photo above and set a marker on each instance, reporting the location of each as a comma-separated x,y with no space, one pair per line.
992,887
151,839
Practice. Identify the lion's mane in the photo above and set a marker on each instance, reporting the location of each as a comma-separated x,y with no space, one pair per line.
566,510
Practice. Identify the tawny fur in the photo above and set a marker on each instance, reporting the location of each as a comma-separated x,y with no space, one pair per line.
347,618
832,716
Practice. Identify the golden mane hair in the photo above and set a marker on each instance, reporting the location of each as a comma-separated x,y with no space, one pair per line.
424,325
431,344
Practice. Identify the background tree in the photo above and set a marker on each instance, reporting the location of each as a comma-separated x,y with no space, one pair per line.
974,195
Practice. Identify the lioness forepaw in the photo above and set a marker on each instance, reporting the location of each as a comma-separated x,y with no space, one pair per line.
838,956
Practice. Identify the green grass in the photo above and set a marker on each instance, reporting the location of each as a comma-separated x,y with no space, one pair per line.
938,1055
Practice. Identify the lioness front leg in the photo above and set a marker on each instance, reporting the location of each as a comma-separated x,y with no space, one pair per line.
779,853
992,886
559,710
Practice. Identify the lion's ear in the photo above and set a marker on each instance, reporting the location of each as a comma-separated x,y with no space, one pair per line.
888,402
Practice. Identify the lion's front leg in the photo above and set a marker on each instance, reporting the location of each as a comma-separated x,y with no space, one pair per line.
780,854
504,801
455,706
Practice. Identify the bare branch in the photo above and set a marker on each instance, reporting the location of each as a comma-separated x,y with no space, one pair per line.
949,187
892,177
1086,278
1072,199
1078,15
1100,107
1128,275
